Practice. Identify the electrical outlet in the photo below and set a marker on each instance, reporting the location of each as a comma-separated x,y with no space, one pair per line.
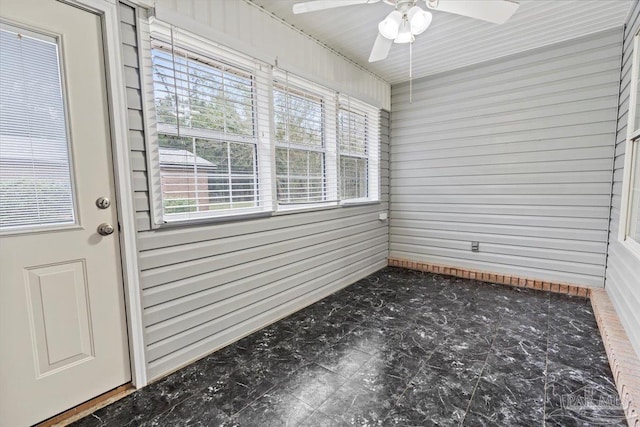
475,246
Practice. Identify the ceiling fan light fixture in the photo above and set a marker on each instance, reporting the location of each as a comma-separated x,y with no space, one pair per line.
404,35
390,26
419,20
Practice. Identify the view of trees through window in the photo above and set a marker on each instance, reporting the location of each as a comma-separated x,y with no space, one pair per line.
300,156
207,145
198,95
352,139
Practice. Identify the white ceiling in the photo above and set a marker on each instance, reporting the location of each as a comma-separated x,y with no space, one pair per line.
452,41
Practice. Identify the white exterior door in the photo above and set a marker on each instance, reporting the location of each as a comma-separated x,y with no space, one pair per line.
63,333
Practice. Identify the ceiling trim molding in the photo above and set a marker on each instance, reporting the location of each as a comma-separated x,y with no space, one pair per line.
310,37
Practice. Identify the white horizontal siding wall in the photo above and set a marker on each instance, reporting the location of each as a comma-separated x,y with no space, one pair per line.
207,286
514,153
623,268
246,27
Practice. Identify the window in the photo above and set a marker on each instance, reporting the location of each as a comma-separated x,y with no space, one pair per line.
352,137
207,134
236,136
630,225
633,226
358,143
35,177
303,143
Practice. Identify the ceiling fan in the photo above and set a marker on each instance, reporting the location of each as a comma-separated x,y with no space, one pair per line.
408,20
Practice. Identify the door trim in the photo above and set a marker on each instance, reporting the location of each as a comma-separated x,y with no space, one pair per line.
116,94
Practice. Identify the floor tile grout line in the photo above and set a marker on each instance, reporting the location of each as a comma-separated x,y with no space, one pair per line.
346,380
546,364
484,365
174,406
423,363
371,356
253,401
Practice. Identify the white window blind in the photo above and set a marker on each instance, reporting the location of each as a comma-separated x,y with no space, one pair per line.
305,152
208,138
634,201
35,178
358,147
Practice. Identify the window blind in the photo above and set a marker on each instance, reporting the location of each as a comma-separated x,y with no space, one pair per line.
207,121
634,202
358,147
35,178
302,137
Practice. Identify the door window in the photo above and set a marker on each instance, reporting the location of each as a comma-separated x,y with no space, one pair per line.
35,176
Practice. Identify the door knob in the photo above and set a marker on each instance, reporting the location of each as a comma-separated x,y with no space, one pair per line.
105,229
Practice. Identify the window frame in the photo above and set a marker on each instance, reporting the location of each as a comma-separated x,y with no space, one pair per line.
288,81
57,40
195,46
632,149
372,143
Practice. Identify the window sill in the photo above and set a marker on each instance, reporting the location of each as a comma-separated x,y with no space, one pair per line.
304,208
257,215
213,220
632,246
349,203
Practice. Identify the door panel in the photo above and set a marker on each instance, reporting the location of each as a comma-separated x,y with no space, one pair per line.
62,322
57,304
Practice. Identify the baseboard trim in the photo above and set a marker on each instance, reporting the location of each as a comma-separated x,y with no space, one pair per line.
88,407
483,276
623,360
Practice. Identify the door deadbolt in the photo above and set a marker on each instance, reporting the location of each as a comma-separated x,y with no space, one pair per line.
103,202
105,229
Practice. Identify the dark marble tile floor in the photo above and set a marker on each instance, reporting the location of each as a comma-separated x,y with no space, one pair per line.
398,348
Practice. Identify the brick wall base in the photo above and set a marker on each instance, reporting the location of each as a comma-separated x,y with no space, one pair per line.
483,276
624,362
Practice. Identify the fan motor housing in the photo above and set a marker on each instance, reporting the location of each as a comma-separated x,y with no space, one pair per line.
400,3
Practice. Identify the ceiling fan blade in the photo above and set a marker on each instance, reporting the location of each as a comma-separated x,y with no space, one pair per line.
496,11
313,6
380,48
